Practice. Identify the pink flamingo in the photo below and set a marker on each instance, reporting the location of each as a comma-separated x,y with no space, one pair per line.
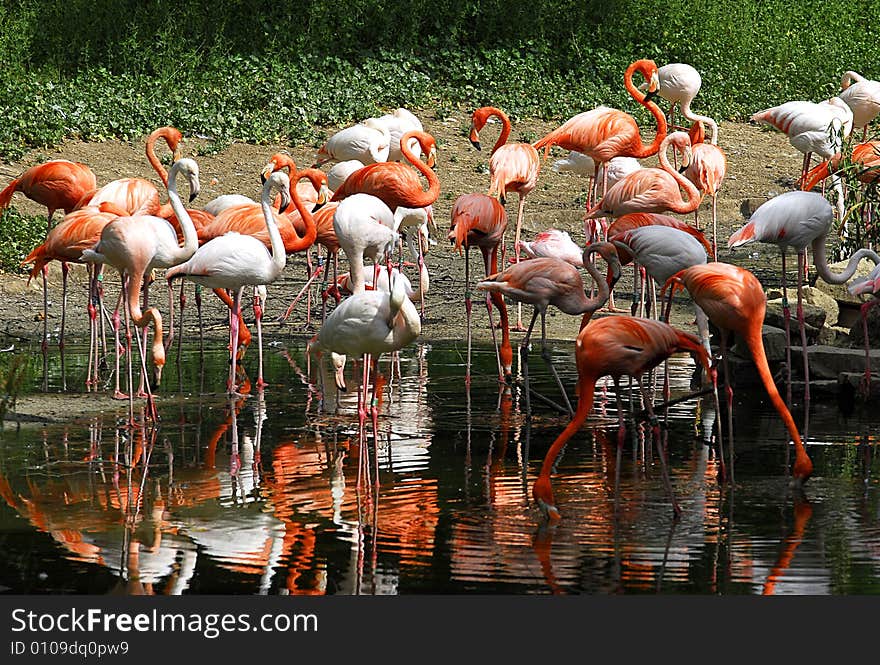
78,231
652,190
863,97
479,220
56,184
706,170
733,299
616,346
679,84
604,133
233,261
513,167
134,246
549,281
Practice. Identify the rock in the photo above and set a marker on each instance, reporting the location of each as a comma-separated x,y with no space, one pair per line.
814,318
829,362
838,291
812,296
834,336
857,332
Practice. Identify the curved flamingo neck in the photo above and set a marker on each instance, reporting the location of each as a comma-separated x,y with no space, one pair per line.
171,142
803,467
602,290
141,318
681,207
505,125
430,195
308,239
849,78
819,258
190,234
694,117
279,256
645,150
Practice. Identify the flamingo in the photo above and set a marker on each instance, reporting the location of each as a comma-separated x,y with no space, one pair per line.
616,346
734,301
398,123
136,195
636,220
297,229
78,231
56,184
797,219
810,127
513,167
395,183
662,251
679,84
706,170
220,203
863,97
868,285
543,282
480,220
368,324
233,261
554,243
368,142
652,190
604,133
135,245
340,171
364,227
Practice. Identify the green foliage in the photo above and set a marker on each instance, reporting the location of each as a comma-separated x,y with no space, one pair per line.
20,233
262,72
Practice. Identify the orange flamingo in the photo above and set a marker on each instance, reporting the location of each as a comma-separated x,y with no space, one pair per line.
513,167
734,301
615,346
706,170
543,282
866,155
57,184
652,190
77,232
136,195
395,183
605,133
480,220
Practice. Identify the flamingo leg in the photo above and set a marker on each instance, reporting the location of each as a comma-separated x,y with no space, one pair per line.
421,284
524,361
180,323
374,415
131,422
519,218
233,327
198,297
714,226
866,381
311,270
44,347
64,270
621,437
170,338
305,289
467,309
142,391
545,354
92,311
258,315
800,315
99,289
786,317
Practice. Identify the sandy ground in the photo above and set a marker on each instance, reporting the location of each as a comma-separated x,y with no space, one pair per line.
761,164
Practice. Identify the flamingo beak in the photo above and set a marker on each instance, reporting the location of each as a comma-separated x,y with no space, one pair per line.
650,96
268,170
157,376
175,155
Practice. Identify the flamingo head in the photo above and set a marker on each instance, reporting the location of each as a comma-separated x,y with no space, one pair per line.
190,169
338,361
542,492
277,162
681,142
648,69
607,251
478,121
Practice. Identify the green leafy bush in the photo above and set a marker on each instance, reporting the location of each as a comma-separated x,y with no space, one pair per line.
20,233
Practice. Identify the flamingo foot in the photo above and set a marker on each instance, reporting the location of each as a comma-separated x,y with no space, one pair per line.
118,394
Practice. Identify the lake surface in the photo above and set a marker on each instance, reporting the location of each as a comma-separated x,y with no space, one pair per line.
260,495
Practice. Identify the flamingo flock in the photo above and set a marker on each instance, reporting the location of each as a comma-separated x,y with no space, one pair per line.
381,188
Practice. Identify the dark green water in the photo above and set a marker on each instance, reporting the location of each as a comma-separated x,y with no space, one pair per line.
260,495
